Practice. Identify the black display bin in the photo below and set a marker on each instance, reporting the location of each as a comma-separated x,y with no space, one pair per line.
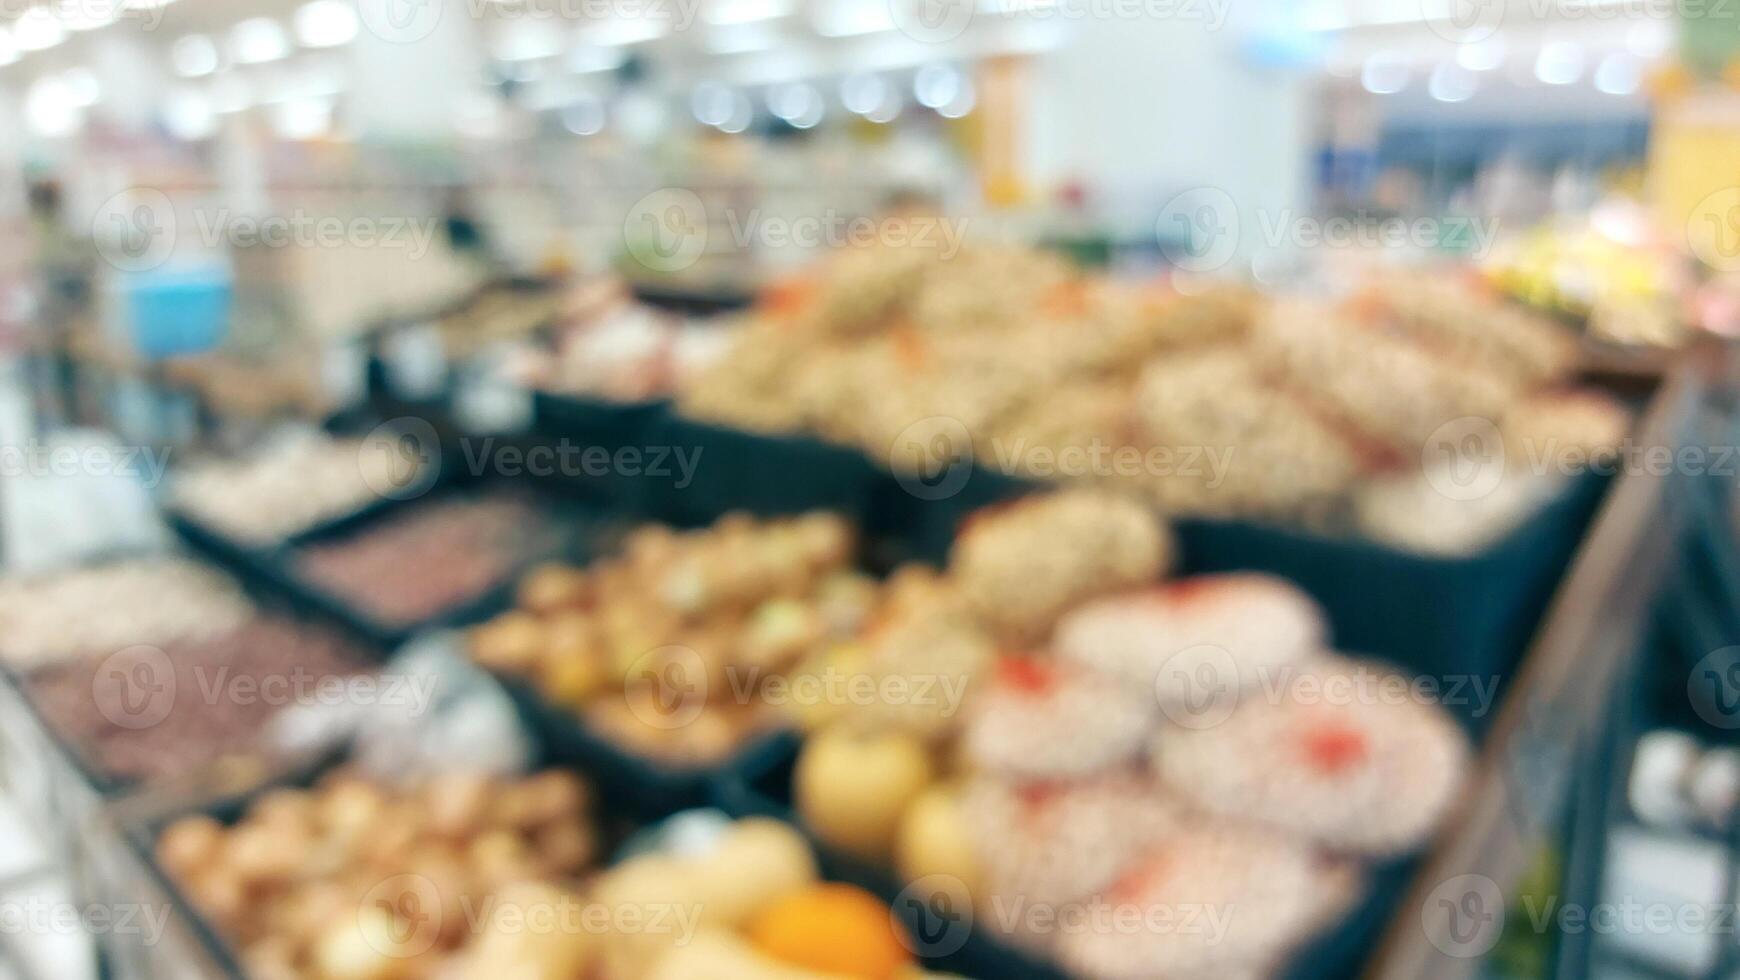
594,421
927,515
647,788
582,529
617,824
228,810
762,474
1458,619
1455,619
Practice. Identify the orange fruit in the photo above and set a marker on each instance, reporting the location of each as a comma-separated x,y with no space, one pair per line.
832,928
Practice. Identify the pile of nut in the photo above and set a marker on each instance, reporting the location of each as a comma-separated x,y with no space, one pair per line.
159,713
428,560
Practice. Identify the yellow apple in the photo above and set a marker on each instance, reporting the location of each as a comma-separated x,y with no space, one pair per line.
934,839
852,787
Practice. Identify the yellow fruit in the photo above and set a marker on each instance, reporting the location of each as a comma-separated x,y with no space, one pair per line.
934,840
834,929
852,787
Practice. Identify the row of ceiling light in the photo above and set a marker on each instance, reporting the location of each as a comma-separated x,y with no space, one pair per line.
1618,72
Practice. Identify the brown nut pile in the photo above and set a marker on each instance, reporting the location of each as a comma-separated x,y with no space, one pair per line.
148,714
357,881
434,557
657,645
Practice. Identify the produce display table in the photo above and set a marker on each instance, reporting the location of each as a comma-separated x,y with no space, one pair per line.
1551,715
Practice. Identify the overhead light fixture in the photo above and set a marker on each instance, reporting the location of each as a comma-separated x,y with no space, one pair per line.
325,24
721,12
257,41
712,103
37,29
1481,56
852,18
50,110
194,55
864,93
1384,74
1451,83
584,118
1619,74
89,15
189,116
961,104
886,112
82,86
588,58
624,31
302,119
798,103
8,49
1559,63
742,115
526,40
935,86
741,39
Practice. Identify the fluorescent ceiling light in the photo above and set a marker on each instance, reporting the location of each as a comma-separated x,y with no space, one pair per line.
88,15
257,41
82,86
1559,63
194,55
852,18
1481,56
1619,74
624,31
37,30
325,24
586,58
1451,83
741,39
1384,74
189,116
745,11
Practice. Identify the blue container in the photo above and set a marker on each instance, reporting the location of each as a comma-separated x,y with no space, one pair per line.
169,313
